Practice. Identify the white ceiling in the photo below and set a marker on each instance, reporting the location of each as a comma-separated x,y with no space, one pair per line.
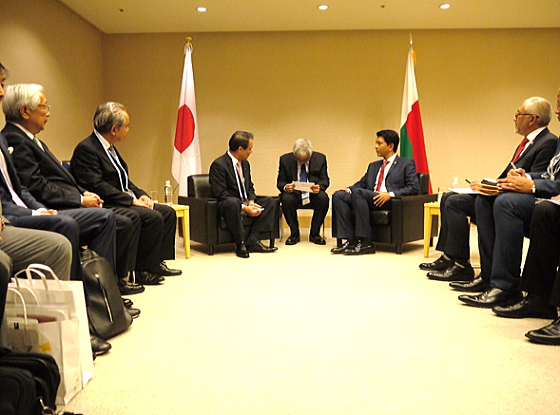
156,16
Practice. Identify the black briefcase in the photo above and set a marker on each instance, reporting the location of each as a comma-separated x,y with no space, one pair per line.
106,311
28,383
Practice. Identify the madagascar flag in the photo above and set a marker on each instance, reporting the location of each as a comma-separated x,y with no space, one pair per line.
412,135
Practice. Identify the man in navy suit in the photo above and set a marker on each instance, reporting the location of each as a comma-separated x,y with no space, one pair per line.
533,154
231,183
384,179
53,185
303,165
98,167
503,221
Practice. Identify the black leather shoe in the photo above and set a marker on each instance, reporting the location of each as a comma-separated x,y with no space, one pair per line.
292,240
547,335
527,307
340,249
241,251
360,249
134,312
490,298
162,269
127,288
127,302
98,345
147,278
440,264
259,247
317,239
454,273
477,285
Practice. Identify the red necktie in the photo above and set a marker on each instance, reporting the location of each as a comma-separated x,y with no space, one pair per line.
519,149
381,176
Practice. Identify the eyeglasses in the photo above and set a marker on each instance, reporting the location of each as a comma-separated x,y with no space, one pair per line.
519,115
47,107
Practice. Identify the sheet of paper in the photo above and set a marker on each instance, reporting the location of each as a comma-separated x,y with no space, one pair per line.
462,190
539,200
304,187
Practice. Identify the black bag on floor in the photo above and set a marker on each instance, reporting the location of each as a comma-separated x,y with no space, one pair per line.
106,311
27,382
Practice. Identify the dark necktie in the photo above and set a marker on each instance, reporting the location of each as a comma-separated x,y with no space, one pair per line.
519,150
381,176
303,174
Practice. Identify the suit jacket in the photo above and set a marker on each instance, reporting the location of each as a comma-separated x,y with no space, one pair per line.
223,180
538,155
9,207
42,173
401,179
288,169
95,172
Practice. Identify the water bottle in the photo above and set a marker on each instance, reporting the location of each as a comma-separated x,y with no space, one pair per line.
455,183
168,193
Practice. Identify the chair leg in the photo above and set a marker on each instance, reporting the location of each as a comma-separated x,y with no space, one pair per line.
272,242
399,249
210,249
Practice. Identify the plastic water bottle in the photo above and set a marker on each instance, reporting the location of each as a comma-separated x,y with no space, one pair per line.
168,193
455,183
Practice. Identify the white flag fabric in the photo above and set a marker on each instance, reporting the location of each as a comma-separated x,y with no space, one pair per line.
186,152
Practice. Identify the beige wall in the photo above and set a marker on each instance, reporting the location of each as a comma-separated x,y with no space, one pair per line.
335,88
43,42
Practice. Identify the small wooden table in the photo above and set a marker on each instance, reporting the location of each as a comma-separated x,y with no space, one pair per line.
182,212
430,209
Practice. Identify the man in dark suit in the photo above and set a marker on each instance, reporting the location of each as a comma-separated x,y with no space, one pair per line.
99,168
54,186
504,220
533,154
308,166
384,179
231,183
540,278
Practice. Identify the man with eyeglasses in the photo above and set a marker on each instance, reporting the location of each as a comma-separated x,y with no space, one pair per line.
504,220
533,154
540,278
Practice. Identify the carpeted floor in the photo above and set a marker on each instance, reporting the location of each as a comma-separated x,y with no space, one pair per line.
304,332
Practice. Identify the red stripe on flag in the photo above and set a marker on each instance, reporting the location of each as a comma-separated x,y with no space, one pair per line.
416,136
184,134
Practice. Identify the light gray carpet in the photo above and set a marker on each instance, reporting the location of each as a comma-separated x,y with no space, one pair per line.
304,332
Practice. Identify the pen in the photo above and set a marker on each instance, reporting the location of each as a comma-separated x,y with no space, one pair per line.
513,165
468,181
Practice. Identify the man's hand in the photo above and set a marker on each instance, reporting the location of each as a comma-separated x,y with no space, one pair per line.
343,190
91,200
141,203
147,200
252,209
315,188
516,183
289,188
49,212
475,185
381,199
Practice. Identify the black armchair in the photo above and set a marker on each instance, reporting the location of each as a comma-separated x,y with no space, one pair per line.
404,222
207,227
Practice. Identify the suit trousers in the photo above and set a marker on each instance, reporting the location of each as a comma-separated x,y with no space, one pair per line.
454,234
540,276
230,210
353,213
20,247
291,202
128,236
156,240
503,222
62,224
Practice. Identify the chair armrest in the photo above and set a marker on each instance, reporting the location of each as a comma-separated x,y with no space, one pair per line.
408,217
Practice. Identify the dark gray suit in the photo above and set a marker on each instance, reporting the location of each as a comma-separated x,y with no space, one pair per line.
353,209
